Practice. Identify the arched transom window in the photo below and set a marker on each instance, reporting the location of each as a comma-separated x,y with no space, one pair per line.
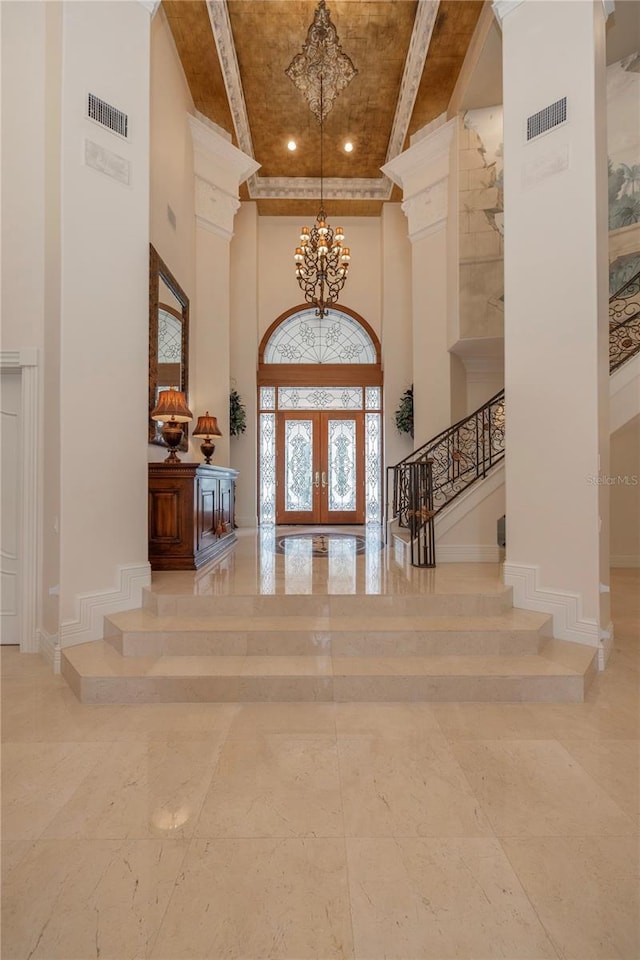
306,338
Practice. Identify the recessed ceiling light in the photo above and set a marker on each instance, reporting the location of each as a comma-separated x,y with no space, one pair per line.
348,147
292,145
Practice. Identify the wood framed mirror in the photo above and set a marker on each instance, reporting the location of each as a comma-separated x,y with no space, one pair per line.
168,339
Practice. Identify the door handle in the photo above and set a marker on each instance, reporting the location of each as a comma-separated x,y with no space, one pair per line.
316,482
324,479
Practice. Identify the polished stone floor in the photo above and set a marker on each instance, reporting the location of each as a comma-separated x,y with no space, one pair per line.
435,831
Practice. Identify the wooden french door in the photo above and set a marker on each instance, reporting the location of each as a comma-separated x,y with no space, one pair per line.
320,466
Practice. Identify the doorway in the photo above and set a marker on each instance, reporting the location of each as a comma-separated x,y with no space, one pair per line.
320,467
319,419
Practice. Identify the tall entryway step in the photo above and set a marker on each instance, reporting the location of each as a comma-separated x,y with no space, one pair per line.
431,647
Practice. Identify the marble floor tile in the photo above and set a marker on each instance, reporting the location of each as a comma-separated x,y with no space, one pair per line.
72,900
139,790
304,720
406,788
586,892
534,721
386,720
431,899
37,780
274,787
614,765
254,899
536,788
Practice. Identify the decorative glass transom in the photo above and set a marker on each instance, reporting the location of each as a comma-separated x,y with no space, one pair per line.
306,338
320,398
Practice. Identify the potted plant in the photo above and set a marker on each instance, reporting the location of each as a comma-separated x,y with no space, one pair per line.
404,413
237,414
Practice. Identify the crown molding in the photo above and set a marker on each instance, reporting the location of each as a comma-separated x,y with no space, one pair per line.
223,36
414,65
308,188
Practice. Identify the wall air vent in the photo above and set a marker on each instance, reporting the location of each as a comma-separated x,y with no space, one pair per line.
110,117
546,119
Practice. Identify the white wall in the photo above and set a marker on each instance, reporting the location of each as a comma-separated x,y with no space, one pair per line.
171,168
172,184
277,284
105,234
30,287
625,495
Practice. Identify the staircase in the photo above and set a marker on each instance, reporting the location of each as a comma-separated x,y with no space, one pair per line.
428,646
434,475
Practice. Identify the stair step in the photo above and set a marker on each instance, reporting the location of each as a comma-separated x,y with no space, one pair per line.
483,603
98,674
139,633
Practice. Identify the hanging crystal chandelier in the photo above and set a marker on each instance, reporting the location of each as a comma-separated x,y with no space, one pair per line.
321,261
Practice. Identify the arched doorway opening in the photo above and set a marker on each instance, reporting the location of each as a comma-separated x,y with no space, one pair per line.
320,419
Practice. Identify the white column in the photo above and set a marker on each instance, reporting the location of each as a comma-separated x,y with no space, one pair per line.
556,320
423,172
103,315
219,169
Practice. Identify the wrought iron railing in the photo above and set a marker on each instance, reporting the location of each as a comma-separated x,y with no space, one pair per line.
624,323
448,464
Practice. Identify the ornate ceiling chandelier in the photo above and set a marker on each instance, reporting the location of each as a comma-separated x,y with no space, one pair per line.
321,71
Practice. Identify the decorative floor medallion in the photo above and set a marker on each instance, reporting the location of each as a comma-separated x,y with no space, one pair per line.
325,544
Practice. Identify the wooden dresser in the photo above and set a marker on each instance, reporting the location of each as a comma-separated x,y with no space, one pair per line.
191,514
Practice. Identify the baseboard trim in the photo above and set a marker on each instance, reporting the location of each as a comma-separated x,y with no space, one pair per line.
93,607
467,553
566,608
49,648
625,560
606,646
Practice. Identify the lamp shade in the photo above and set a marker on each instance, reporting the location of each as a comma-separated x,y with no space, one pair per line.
207,426
172,405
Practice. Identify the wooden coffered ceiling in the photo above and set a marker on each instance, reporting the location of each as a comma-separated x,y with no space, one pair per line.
235,53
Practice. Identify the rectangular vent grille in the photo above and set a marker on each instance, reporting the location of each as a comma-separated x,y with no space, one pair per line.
102,112
547,119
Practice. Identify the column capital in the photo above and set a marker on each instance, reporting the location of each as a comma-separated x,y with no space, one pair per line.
215,158
423,173
219,169
215,209
425,162
427,211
